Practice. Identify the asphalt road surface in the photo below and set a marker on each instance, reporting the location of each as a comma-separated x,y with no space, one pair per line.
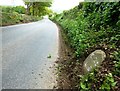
25,48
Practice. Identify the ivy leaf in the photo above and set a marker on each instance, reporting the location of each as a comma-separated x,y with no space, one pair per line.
113,84
102,87
83,86
111,79
107,86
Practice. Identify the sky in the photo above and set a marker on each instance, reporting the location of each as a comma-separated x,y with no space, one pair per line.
60,5
57,6
12,2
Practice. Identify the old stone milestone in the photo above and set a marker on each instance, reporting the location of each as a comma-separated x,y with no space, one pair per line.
93,60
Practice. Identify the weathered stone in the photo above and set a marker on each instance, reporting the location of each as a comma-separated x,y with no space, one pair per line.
93,60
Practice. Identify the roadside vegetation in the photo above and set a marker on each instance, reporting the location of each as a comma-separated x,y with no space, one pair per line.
87,27
18,14
15,15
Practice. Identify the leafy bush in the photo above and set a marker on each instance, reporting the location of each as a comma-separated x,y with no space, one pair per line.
89,82
14,15
92,24
19,9
9,9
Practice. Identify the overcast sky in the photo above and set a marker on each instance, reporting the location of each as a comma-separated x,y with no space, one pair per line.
57,6
60,5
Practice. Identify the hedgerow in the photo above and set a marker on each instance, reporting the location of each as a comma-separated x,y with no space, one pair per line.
14,15
92,24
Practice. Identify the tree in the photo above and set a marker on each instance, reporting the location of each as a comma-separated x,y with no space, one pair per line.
38,8
28,4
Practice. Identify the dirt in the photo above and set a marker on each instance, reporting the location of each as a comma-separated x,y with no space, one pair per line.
67,65
70,68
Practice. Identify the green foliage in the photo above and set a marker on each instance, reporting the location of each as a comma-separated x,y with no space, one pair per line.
108,83
13,15
9,9
38,8
90,81
88,25
19,9
85,82
117,63
91,24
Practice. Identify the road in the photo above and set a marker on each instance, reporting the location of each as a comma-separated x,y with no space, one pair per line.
25,48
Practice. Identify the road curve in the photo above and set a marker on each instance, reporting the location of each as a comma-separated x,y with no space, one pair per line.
25,48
